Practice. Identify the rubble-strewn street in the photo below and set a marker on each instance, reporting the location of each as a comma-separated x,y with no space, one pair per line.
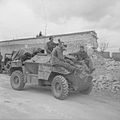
38,103
107,75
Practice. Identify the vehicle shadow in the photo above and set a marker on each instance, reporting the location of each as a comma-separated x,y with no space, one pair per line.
38,89
75,95
45,90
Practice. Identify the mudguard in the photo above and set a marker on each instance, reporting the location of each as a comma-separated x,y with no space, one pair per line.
80,81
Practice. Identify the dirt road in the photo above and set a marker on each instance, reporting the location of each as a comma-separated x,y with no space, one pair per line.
38,103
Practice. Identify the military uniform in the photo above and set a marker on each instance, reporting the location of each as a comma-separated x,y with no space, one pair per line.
82,55
50,46
57,58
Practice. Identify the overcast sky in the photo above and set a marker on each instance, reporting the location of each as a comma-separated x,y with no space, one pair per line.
25,18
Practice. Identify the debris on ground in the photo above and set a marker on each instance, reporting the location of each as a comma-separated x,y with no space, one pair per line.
106,75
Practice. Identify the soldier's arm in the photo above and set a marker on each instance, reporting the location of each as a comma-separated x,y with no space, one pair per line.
74,54
54,53
55,44
47,49
86,55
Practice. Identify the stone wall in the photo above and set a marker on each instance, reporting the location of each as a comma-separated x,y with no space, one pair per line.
72,40
116,56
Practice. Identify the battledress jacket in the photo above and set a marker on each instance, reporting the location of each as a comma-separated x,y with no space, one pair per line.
50,46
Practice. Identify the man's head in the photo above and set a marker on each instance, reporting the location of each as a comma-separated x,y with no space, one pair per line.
51,38
82,48
59,40
62,45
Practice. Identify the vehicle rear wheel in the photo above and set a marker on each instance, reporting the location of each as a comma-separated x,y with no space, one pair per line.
17,80
60,87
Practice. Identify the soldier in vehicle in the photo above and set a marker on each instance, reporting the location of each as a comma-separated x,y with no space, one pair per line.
57,58
50,45
81,55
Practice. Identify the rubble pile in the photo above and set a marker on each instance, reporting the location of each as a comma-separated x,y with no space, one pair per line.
107,75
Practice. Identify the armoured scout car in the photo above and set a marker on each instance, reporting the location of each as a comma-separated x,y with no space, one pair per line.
43,73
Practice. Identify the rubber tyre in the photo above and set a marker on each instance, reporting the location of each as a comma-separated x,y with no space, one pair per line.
60,87
88,90
17,75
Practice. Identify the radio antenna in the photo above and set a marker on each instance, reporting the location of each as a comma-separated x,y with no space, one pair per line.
45,17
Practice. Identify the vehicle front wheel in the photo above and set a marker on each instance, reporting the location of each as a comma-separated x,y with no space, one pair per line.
17,80
60,87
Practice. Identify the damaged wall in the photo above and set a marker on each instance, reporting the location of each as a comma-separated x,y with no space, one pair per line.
73,41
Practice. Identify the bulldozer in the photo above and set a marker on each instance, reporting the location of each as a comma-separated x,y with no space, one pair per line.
42,73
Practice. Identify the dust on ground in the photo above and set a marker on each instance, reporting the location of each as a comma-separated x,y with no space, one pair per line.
38,103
